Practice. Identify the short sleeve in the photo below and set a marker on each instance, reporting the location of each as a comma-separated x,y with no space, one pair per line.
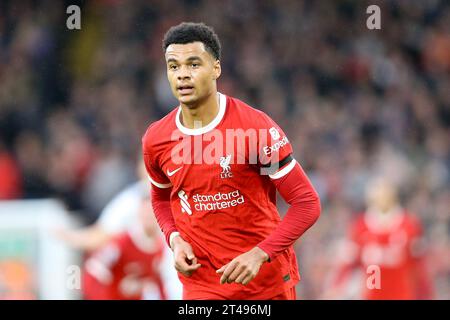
274,149
155,174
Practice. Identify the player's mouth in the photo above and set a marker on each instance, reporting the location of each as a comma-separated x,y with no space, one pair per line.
185,89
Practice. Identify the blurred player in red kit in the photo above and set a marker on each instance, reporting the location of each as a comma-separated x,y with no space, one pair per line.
126,232
216,165
390,238
128,267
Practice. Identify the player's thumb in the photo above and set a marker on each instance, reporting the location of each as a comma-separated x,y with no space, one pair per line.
190,254
221,269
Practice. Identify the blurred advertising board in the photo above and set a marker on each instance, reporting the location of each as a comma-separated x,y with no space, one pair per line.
34,264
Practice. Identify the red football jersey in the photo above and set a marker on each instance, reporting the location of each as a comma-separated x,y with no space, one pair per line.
128,268
222,202
395,250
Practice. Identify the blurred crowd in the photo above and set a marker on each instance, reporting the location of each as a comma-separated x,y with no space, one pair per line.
355,103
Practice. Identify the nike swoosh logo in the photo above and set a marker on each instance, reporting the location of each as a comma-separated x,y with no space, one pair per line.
171,173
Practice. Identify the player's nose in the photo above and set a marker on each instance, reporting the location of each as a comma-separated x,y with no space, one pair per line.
183,73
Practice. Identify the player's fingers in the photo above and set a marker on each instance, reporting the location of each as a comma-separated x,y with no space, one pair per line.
247,279
241,277
193,267
178,267
187,269
222,268
185,273
228,270
181,270
189,253
194,260
236,273
181,263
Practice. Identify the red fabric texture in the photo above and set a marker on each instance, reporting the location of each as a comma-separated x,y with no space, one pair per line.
298,192
163,213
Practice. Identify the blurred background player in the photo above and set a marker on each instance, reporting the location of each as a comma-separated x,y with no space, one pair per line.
388,237
131,265
126,258
119,214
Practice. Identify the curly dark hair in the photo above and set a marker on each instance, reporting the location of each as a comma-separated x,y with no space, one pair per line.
187,32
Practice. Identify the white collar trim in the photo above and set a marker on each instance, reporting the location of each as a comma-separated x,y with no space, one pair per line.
382,222
141,240
210,126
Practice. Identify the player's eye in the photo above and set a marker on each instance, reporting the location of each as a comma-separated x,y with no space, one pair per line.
173,67
195,65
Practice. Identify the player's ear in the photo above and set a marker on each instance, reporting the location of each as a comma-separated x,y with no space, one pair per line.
217,70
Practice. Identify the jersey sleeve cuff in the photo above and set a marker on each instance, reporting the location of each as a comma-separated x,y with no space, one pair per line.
266,250
160,185
281,173
171,237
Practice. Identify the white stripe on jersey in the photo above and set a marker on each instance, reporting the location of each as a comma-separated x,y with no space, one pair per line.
160,185
284,171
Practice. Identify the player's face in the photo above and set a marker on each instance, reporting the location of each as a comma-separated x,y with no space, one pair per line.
192,72
382,196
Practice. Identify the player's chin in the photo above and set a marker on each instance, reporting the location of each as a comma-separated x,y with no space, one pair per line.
188,100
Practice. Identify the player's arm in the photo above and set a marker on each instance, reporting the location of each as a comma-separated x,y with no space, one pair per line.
275,156
88,238
304,210
424,283
296,189
185,260
422,278
346,260
101,263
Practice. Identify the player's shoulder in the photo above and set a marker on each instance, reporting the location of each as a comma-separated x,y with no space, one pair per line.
123,240
358,225
159,128
248,113
412,223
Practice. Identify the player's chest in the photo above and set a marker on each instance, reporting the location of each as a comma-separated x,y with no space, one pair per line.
390,250
207,164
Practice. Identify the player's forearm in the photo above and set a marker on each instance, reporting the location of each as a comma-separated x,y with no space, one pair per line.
163,212
296,190
88,238
297,220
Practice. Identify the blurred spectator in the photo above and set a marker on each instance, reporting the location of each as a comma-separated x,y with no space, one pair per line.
355,102
386,251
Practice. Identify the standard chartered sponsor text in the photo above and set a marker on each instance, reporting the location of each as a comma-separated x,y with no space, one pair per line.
217,201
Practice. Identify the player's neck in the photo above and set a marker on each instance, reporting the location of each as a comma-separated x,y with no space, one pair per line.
201,115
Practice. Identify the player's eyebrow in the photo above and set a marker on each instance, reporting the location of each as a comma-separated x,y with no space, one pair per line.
172,60
190,59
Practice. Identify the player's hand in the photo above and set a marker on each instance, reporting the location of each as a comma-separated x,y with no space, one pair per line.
244,267
185,260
